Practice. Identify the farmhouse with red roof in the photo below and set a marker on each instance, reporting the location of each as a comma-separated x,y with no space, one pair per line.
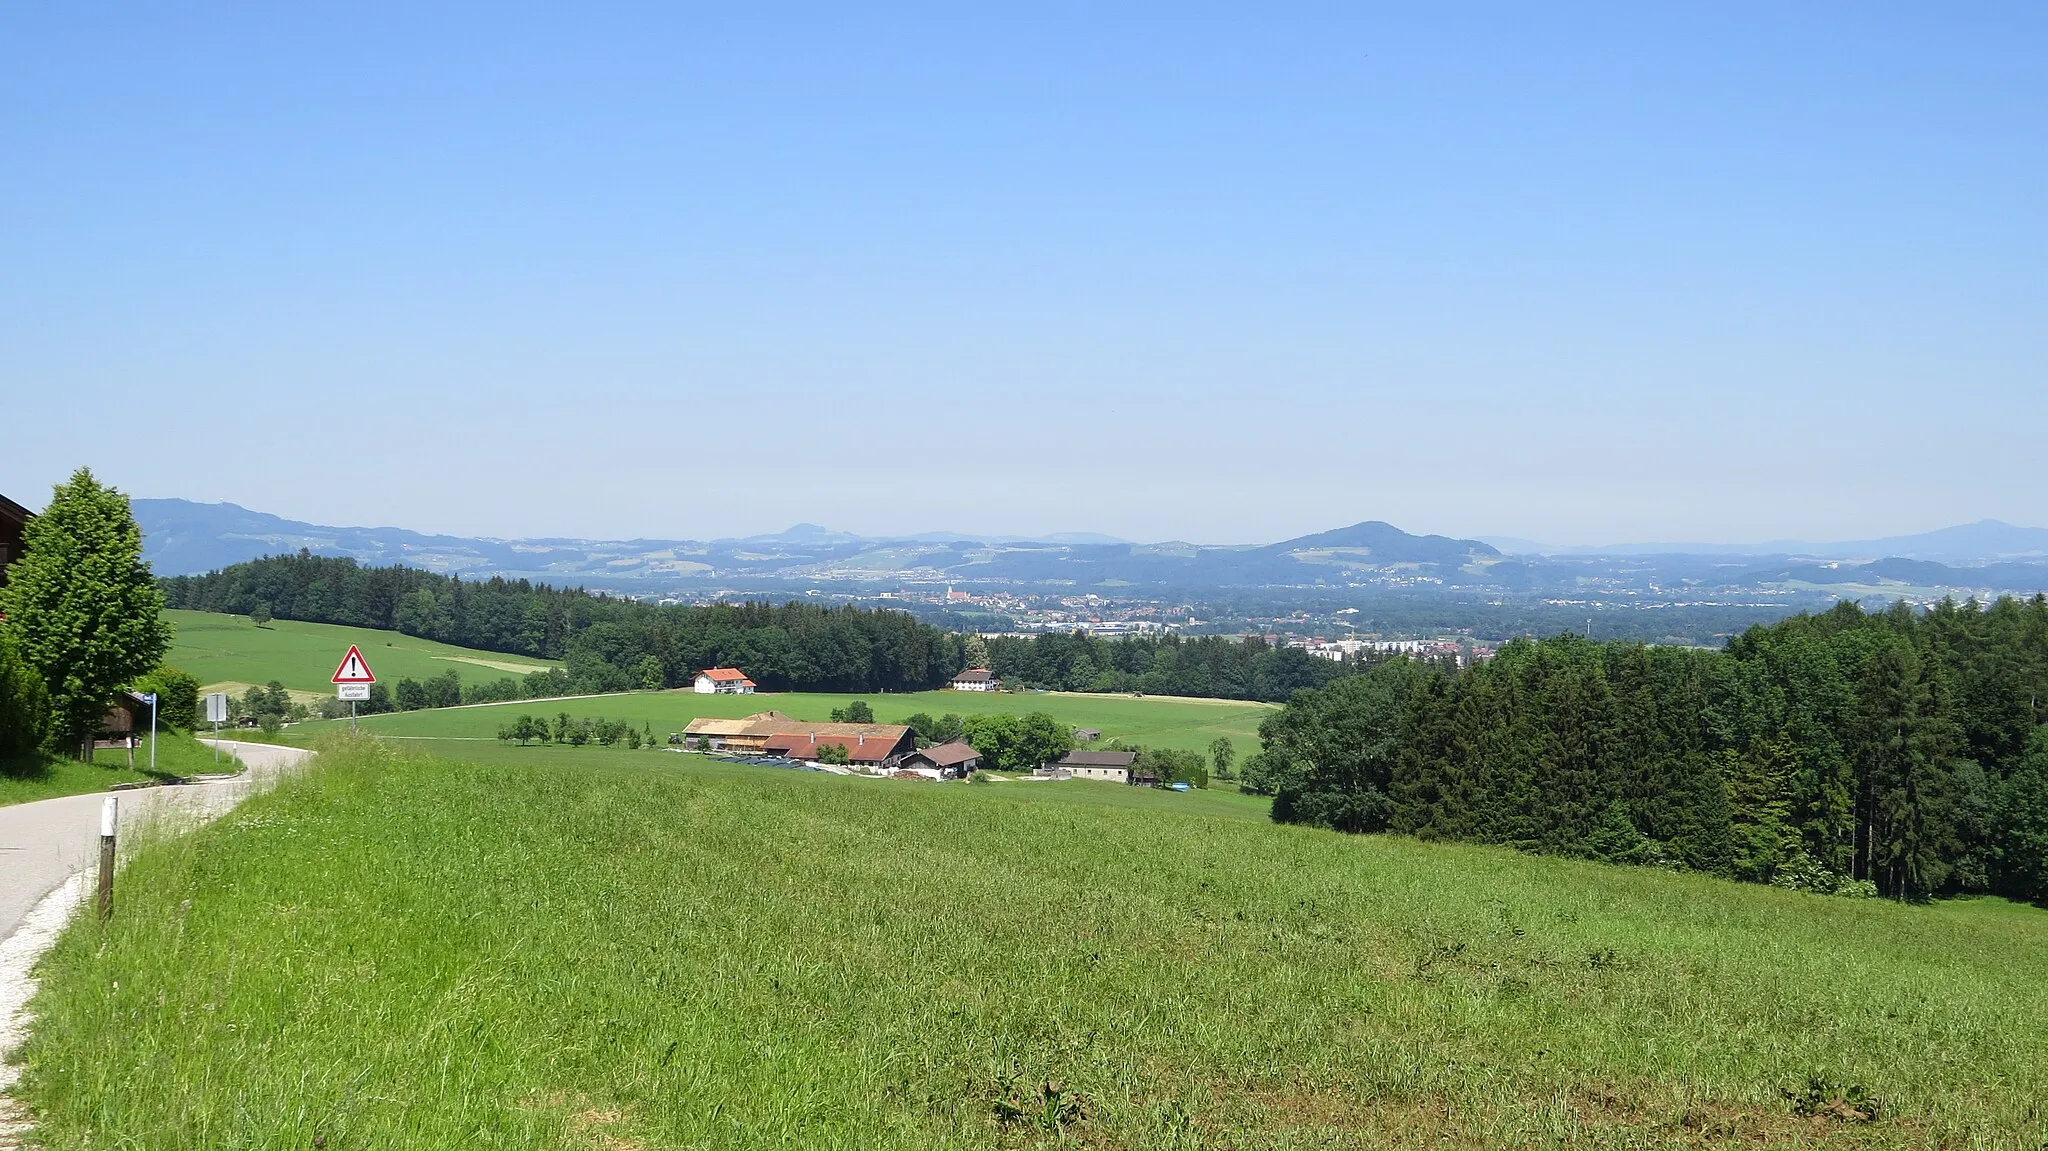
724,681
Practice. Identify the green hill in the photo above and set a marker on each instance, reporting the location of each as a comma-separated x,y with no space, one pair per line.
228,652
646,950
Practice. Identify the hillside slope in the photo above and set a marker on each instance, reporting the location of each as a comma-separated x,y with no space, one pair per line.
423,953
228,652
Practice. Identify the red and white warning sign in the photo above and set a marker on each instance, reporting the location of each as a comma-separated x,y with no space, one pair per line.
353,669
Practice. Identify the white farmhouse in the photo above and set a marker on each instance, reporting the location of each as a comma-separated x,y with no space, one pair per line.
1112,766
724,681
976,679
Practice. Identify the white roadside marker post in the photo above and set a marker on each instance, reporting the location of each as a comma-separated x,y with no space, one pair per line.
110,818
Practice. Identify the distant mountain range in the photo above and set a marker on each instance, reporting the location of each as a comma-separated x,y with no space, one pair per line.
183,537
1983,542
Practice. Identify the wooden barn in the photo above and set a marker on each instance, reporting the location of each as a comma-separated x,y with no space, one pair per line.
13,523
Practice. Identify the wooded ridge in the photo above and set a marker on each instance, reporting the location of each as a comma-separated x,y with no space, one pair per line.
1900,751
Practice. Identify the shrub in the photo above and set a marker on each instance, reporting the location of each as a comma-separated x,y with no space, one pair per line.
24,704
177,696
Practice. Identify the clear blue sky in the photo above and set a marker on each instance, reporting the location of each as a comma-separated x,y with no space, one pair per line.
1580,273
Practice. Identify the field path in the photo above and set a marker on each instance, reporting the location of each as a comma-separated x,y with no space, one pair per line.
48,850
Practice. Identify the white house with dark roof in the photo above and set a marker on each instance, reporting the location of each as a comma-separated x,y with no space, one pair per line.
1112,766
976,679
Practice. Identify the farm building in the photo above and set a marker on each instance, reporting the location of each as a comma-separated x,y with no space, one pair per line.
950,760
1114,766
862,750
127,715
723,681
745,736
1087,734
773,733
712,734
976,679
13,522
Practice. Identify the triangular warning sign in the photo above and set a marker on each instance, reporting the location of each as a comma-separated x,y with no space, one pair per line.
353,669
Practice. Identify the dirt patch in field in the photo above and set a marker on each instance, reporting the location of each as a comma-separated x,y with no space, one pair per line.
1593,1115
237,688
496,664
587,1124
1165,698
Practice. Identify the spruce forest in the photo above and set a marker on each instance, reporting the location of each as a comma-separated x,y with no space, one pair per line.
1900,752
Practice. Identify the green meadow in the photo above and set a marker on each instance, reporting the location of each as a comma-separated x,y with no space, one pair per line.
1156,722
651,950
45,777
228,652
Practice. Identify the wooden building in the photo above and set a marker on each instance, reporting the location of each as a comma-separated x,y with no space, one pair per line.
955,760
13,523
127,717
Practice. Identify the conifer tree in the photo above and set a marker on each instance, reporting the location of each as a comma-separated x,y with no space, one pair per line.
974,650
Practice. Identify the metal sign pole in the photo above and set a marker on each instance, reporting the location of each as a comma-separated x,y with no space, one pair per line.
353,679
216,713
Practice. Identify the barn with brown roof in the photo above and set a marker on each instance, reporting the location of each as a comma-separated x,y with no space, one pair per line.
773,733
953,760
878,749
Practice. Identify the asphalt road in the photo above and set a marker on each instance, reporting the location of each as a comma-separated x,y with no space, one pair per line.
46,842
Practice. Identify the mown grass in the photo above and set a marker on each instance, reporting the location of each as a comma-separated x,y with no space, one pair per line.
46,777
229,651
653,951
1190,724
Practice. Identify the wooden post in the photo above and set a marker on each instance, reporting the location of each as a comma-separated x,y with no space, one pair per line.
110,818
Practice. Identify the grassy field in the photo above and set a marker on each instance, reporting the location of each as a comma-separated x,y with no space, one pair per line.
228,653
46,778
649,950
1158,722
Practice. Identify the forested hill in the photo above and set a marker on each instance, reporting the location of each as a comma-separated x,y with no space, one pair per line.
1900,751
606,644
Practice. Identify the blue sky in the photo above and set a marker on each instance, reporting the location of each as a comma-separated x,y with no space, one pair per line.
1579,273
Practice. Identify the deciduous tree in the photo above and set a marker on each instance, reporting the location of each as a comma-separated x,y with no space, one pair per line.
83,605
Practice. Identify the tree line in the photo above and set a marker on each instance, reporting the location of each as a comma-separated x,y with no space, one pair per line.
1216,667
1898,752
577,732
604,643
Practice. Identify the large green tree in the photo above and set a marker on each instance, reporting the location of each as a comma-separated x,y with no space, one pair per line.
83,605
